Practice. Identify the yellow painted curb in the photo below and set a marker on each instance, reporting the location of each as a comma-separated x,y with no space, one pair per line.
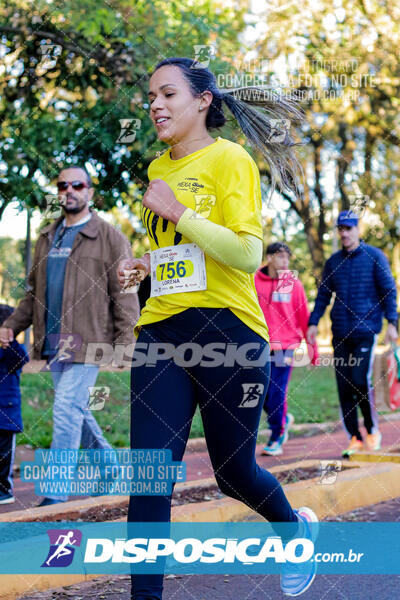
369,484
377,456
74,509
60,512
359,485
13,586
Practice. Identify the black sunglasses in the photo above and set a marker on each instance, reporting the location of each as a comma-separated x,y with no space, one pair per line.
62,186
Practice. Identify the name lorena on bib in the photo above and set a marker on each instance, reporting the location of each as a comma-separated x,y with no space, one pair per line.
177,269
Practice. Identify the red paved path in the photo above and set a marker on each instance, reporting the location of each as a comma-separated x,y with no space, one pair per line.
322,446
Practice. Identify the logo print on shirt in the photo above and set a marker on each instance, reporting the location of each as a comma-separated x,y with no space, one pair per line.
150,221
60,252
190,184
204,204
284,286
280,297
252,393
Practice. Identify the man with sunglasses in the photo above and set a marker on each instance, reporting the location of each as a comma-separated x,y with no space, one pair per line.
74,299
365,291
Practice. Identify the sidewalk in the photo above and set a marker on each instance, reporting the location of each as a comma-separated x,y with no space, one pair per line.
198,466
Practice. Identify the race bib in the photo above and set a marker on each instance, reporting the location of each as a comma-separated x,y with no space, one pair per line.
177,269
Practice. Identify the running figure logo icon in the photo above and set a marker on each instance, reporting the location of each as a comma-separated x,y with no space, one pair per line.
204,204
65,345
359,204
286,280
252,393
62,547
129,128
50,54
54,204
279,130
202,56
329,470
97,397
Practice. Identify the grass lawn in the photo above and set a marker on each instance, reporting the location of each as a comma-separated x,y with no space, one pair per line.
312,397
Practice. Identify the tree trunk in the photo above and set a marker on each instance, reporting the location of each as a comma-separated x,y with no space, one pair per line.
316,249
28,264
314,233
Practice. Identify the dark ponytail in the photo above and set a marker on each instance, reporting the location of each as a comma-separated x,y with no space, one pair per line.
257,112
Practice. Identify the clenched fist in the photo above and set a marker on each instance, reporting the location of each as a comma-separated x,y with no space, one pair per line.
161,200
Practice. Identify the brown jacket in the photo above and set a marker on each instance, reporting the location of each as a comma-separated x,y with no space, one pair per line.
93,305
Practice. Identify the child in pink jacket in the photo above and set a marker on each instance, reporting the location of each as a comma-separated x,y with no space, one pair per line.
284,304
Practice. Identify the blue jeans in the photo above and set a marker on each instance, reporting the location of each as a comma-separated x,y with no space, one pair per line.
74,426
274,404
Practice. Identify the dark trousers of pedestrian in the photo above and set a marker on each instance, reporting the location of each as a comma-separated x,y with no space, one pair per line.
163,400
274,404
353,368
7,451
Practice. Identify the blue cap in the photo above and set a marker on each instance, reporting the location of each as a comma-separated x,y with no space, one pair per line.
347,217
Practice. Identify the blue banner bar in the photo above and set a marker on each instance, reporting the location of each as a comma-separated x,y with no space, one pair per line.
102,548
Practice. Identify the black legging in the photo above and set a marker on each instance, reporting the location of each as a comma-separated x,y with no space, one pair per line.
164,398
353,368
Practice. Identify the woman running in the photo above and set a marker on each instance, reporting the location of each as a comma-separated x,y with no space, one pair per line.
202,212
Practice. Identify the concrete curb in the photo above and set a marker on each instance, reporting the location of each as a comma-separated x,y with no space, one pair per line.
376,457
73,510
354,488
13,586
360,485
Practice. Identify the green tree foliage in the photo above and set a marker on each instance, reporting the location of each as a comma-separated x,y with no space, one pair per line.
65,107
342,59
12,272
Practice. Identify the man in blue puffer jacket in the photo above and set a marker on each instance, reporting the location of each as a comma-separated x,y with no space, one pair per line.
12,359
365,291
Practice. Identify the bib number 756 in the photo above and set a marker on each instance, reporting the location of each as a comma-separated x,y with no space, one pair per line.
171,270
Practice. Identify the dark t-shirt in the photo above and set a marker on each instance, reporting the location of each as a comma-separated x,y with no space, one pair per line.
56,265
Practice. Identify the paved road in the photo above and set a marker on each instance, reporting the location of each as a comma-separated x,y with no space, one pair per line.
238,587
